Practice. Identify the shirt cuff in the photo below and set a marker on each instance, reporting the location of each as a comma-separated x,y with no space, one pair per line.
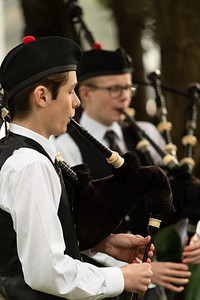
114,280
198,229
89,252
107,260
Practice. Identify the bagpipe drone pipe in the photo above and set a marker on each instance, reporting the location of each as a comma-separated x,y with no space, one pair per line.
185,186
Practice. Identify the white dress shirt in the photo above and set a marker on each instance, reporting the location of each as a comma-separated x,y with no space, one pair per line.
72,155
198,229
30,191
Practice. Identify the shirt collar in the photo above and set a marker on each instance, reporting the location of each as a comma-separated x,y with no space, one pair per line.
97,129
44,142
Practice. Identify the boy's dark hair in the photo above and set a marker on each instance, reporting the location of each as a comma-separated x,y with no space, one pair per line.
19,105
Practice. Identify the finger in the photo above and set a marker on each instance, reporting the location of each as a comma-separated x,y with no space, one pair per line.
150,253
174,288
146,239
194,253
191,260
177,281
194,239
178,274
137,260
177,266
139,236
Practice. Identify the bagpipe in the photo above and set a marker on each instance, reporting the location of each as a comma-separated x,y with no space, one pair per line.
185,186
109,199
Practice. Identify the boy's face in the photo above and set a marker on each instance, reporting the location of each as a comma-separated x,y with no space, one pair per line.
62,109
101,106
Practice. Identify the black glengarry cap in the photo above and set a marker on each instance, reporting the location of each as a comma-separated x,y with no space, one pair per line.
35,59
98,62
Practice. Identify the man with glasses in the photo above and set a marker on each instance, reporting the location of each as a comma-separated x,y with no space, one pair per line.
105,89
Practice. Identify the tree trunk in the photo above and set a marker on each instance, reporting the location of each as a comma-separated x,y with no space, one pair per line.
129,18
52,18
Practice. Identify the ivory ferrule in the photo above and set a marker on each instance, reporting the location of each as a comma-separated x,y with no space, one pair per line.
170,147
169,159
189,140
164,126
142,145
154,222
115,160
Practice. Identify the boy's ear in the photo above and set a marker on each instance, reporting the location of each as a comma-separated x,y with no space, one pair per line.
41,95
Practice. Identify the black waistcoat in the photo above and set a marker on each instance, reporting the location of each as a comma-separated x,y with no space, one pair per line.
12,284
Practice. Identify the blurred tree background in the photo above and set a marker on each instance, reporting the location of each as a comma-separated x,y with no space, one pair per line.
173,27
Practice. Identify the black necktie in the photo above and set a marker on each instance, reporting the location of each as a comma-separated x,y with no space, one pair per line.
110,136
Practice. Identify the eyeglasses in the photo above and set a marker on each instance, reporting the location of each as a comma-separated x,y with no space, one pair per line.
115,91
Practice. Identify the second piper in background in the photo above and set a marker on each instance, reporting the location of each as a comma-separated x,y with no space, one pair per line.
105,89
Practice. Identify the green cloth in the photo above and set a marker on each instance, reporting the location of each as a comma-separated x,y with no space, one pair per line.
168,248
